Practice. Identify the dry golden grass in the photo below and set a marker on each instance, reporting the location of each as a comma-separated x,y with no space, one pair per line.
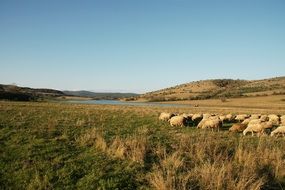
165,174
132,148
260,104
210,164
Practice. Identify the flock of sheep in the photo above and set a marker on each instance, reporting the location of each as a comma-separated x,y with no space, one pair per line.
255,123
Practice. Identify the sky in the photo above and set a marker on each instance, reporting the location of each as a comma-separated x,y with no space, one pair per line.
138,45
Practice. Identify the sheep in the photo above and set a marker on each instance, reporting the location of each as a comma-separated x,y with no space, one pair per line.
282,120
258,127
222,118
238,127
274,119
253,128
210,124
278,130
264,118
187,115
165,116
177,121
254,121
267,125
196,118
206,115
246,121
241,117
201,123
214,117
255,116
230,117
188,118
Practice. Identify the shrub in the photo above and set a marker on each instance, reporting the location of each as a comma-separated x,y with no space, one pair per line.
223,99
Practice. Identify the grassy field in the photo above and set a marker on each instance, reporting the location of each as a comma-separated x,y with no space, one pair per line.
66,146
275,103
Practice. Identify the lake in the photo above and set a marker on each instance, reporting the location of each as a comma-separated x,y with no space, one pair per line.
116,102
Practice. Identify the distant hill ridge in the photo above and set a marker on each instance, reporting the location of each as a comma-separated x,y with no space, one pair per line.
217,88
197,90
13,92
100,95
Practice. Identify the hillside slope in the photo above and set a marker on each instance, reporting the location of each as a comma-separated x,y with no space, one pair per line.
217,88
13,92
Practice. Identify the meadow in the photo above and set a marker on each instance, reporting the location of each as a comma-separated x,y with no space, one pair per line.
69,146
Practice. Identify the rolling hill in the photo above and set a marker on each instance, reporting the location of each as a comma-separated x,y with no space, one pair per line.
217,88
13,92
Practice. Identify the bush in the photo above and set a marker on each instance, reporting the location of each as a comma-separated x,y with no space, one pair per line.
223,99
227,82
131,99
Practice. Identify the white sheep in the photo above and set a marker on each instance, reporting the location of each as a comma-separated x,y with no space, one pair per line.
254,121
197,116
246,121
210,124
238,127
255,116
230,117
165,116
241,117
206,115
187,115
253,128
278,130
282,120
257,127
177,121
274,119
201,123
222,118
264,118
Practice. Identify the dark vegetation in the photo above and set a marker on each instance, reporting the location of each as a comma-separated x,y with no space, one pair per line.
223,83
15,93
102,95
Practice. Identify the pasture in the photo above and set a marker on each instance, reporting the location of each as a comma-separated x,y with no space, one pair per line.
68,146
264,104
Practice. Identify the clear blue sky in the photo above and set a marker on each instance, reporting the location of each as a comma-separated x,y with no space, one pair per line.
139,45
